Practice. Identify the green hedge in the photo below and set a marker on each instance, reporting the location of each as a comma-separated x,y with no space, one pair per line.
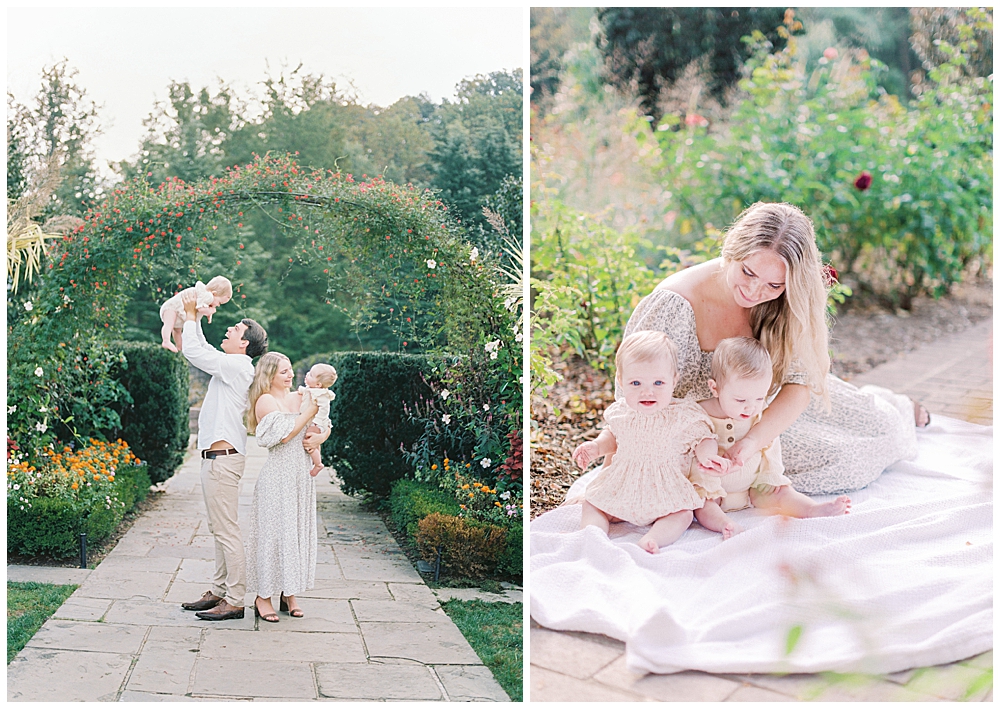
369,420
51,527
411,501
156,425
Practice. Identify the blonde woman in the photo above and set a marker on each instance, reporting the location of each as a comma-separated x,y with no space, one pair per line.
769,284
281,544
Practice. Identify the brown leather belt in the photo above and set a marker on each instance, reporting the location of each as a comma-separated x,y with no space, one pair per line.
211,454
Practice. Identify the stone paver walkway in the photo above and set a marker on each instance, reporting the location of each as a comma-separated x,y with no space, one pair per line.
952,377
373,630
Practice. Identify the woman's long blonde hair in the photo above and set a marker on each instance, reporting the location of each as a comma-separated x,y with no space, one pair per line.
793,326
263,374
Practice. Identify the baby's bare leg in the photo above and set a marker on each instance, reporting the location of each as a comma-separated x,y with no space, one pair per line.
169,318
316,455
592,516
712,517
666,530
787,501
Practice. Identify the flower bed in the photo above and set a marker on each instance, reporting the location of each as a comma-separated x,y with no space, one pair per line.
72,490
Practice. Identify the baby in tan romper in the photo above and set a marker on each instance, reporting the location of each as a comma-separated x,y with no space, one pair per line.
740,382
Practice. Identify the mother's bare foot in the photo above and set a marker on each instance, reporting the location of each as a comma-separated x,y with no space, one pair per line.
840,506
649,544
731,530
921,416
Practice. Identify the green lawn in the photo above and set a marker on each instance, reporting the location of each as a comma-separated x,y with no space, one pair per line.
496,633
28,606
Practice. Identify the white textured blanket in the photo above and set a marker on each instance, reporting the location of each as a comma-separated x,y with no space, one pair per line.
905,580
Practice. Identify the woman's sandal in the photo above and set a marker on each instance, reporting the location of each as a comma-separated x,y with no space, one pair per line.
271,617
283,606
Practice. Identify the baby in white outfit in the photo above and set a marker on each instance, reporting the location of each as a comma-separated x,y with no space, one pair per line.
209,296
318,379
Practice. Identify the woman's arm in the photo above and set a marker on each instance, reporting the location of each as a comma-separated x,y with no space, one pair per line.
302,420
790,402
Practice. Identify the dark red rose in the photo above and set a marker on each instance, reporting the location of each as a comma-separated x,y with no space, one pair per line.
830,275
863,181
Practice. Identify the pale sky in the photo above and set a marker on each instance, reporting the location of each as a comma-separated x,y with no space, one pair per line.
126,57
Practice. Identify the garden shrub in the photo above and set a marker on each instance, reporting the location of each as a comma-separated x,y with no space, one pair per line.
51,527
369,425
511,560
72,491
156,424
468,548
901,195
411,501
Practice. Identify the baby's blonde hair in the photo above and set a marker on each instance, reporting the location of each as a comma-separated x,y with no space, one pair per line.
325,374
644,346
742,358
221,286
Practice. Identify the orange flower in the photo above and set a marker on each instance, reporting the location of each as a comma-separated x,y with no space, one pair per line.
74,486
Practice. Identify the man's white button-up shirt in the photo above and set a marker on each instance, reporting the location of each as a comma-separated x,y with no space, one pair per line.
221,417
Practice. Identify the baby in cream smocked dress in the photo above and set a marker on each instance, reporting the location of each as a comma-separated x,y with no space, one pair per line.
649,444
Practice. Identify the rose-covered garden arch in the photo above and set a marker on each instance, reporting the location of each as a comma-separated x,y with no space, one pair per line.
393,250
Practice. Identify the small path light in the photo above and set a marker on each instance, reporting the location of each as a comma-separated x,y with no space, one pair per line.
83,550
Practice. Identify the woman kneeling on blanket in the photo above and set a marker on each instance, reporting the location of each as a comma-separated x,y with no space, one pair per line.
769,285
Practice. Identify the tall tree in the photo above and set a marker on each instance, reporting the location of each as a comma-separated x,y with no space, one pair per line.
649,47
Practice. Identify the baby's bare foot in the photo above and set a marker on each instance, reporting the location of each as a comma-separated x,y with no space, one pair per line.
840,506
649,544
315,470
169,345
731,530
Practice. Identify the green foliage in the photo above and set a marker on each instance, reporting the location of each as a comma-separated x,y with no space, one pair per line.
650,46
156,424
900,197
496,632
29,605
410,501
554,30
369,425
469,549
52,527
587,280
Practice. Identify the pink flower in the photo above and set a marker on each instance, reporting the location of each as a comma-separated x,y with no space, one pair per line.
863,181
830,53
693,119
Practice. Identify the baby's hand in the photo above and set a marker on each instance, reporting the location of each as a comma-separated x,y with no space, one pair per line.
585,454
207,311
716,465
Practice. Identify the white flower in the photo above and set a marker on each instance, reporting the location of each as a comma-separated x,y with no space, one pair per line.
28,306
446,418
42,410
39,371
519,336
486,407
445,394
17,487
505,495
486,462
431,263
493,355
41,427
66,299
492,346
11,409
474,255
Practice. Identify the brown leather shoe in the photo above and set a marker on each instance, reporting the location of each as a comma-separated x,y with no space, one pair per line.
223,611
209,600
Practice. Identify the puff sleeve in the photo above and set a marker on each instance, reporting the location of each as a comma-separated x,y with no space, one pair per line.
273,428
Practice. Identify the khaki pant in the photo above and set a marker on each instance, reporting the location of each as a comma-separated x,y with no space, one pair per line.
220,482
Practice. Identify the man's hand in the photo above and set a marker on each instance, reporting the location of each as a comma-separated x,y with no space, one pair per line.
190,301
